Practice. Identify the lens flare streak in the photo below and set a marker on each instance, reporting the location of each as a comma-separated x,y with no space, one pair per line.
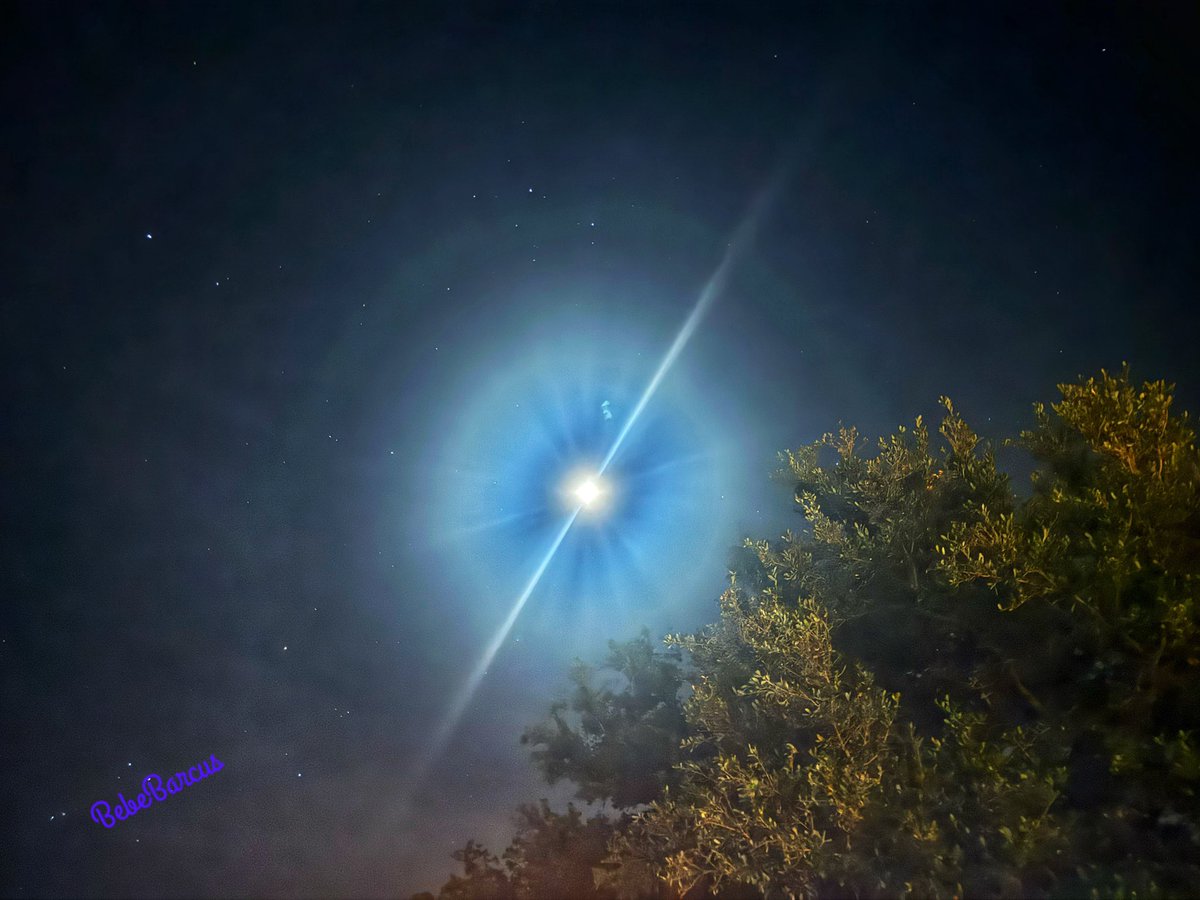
463,698
733,252
737,246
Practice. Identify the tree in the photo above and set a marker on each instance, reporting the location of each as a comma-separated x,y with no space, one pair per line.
483,877
939,688
617,738
618,742
553,855
936,687
1111,542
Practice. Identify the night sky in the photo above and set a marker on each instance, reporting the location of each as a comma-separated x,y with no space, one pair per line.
309,313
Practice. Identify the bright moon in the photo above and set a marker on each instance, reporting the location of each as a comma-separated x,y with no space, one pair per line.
587,491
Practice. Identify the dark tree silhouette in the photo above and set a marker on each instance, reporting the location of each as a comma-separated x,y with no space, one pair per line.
617,743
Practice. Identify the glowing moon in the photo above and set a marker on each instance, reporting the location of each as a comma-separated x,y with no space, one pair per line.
587,491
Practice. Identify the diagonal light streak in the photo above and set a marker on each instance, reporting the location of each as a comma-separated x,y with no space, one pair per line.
733,252
712,289
462,699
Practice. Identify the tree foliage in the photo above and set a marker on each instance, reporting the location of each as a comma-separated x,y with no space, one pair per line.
553,855
617,742
935,688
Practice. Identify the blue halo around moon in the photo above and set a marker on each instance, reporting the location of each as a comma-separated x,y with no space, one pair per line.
489,410
520,437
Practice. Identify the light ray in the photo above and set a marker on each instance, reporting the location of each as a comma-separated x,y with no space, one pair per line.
462,699
733,252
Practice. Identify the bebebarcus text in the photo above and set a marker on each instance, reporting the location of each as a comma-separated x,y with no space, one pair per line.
152,789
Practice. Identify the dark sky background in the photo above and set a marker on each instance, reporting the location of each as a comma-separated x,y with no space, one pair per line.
308,310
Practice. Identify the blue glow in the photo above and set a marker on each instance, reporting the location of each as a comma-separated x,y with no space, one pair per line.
565,420
495,484
506,468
